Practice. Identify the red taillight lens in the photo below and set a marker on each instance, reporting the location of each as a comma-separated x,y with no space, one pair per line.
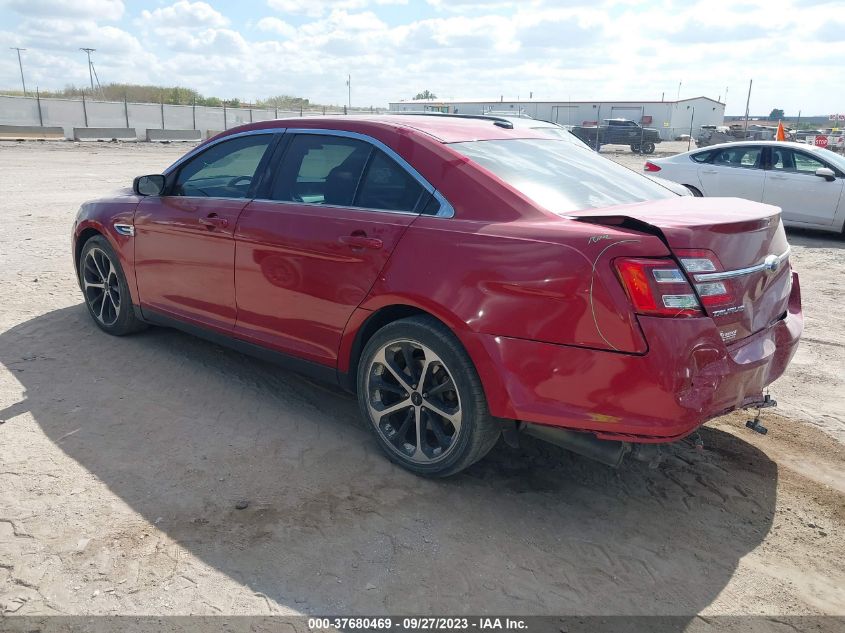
657,287
649,166
699,261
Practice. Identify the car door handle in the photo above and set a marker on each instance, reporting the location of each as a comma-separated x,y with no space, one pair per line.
774,177
362,241
214,222
709,171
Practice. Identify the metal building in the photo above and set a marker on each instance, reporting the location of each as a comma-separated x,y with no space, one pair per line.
671,118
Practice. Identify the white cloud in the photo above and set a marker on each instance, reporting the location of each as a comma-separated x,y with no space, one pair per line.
98,9
318,8
70,35
557,49
275,25
185,14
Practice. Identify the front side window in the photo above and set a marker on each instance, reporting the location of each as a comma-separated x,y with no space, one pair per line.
785,159
560,177
747,157
225,170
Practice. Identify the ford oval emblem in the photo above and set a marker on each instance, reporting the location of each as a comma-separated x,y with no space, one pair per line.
771,264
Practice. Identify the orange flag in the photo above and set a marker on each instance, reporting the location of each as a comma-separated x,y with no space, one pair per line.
781,134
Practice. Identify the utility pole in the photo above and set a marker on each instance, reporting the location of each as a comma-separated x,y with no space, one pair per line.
747,105
88,51
20,65
679,90
349,89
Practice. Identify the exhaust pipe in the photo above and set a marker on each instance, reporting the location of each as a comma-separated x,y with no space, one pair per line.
610,452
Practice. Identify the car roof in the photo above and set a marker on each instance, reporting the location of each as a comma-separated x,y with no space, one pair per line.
738,142
443,128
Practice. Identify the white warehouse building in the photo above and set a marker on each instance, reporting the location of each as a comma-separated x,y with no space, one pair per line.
670,118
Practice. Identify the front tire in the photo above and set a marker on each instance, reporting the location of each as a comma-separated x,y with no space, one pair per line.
105,289
421,396
648,148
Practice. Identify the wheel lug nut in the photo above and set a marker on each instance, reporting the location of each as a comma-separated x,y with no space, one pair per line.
415,386
425,395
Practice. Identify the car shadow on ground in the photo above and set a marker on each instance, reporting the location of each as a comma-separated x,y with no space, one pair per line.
181,430
814,239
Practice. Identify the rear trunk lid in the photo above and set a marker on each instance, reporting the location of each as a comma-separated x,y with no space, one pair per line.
750,254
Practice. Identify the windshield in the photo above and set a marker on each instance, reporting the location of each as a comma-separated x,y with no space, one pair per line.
559,177
831,157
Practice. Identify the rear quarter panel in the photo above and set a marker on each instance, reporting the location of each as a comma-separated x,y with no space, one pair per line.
548,281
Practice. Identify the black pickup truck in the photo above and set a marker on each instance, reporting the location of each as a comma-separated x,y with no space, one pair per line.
619,132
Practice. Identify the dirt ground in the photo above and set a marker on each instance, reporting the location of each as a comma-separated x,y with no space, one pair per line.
122,461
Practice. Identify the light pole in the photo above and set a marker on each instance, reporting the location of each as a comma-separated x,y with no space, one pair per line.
20,65
88,51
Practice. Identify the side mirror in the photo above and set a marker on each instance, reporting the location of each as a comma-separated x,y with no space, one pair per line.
154,185
826,173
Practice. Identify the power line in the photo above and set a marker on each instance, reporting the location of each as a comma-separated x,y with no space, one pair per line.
20,65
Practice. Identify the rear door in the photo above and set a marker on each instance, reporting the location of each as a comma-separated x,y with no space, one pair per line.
736,170
791,183
184,240
309,253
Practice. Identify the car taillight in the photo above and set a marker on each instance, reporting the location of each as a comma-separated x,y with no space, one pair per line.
649,166
713,293
657,287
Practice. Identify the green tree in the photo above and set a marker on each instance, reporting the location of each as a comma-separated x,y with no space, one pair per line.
776,113
426,94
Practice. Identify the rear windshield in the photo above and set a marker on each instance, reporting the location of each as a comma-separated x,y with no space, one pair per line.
560,176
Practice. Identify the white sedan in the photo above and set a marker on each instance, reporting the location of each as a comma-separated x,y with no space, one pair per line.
806,182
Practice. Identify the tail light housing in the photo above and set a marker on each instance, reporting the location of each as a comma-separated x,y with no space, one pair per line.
657,287
712,294
649,166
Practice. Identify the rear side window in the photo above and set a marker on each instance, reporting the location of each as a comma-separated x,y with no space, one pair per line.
702,157
225,170
321,170
345,172
387,186
560,177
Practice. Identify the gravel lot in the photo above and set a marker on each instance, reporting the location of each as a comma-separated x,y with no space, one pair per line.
122,460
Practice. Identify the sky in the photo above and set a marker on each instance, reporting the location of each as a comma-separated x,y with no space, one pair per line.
794,50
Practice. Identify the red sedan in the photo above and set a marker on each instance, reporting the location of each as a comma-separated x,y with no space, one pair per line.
464,278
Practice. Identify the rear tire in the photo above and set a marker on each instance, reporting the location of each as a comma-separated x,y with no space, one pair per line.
105,289
421,396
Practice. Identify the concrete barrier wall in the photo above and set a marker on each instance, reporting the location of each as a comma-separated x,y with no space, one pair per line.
71,114
166,136
105,134
29,132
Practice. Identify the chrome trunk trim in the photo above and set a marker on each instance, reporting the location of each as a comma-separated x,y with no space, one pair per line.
769,265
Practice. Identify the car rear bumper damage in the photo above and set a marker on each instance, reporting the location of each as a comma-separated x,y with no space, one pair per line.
687,376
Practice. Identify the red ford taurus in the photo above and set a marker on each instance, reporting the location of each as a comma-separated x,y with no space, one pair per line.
464,278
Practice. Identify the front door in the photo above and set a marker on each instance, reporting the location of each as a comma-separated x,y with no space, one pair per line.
308,256
184,239
792,185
